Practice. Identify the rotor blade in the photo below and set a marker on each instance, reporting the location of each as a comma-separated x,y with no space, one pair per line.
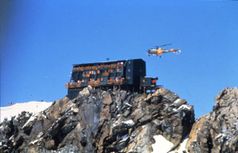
168,44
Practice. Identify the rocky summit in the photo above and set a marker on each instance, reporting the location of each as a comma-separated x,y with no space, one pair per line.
217,132
101,121
114,120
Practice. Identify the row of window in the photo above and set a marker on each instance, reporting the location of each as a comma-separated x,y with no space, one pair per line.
117,65
97,82
97,74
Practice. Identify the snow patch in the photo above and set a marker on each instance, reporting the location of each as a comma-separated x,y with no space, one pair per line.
13,110
129,123
161,144
32,118
184,107
182,147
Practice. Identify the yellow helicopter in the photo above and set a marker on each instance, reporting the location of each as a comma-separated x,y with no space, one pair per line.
159,50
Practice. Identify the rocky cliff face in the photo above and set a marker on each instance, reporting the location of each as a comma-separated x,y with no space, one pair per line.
101,121
218,131
122,121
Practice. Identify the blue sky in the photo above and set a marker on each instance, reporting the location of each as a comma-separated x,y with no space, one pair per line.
40,40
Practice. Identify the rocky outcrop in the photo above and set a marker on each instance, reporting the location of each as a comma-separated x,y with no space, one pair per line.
123,121
101,121
217,132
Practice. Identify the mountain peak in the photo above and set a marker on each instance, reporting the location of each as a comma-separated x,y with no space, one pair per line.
104,121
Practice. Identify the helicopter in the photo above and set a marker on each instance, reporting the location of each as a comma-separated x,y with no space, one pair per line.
159,50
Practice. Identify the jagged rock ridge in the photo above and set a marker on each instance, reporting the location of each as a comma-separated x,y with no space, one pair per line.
217,132
100,121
